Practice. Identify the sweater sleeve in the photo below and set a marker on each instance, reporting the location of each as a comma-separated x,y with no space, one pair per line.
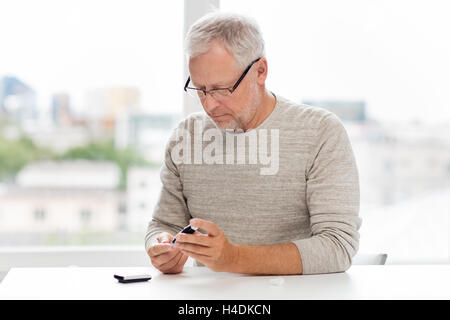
332,194
171,213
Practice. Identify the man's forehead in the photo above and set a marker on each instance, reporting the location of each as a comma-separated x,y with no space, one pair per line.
214,76
216,67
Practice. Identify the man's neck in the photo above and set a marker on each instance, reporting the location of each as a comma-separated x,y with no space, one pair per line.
267,105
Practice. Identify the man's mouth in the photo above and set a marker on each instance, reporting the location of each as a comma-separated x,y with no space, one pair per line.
219,116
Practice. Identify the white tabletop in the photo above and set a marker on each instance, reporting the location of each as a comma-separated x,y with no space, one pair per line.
198,283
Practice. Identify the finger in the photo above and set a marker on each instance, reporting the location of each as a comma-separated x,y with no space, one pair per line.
198,239
200,258
165,238
172,262
164,257
193,248
179,266
159,248
208,226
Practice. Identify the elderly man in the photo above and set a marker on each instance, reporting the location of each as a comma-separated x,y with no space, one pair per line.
300,216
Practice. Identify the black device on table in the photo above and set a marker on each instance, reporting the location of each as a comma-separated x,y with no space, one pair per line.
132,278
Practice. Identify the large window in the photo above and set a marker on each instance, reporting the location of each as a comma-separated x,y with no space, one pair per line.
90,90
89,93
383,68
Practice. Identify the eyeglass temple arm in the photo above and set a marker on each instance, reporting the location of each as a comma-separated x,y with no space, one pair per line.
243,75
187,83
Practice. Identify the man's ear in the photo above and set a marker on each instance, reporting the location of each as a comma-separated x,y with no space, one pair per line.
261,68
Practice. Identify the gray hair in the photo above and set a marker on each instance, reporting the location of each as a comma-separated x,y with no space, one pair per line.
240,34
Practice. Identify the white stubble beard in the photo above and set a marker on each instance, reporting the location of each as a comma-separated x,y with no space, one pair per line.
246,115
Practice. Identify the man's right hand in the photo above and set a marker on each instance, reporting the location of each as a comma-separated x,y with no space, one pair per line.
164,257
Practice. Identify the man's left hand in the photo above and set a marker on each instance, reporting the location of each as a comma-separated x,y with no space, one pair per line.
212,249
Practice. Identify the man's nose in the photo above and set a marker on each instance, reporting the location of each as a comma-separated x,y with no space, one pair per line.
210,103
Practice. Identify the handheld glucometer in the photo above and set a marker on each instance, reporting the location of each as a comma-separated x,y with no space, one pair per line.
188,229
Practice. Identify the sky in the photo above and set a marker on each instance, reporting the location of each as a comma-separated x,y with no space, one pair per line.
391,54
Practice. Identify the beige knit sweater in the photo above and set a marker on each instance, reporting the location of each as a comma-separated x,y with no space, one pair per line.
291,179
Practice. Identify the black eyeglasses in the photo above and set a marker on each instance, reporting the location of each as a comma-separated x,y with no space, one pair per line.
219,93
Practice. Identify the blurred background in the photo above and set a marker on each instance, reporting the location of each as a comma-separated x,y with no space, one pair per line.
90,91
